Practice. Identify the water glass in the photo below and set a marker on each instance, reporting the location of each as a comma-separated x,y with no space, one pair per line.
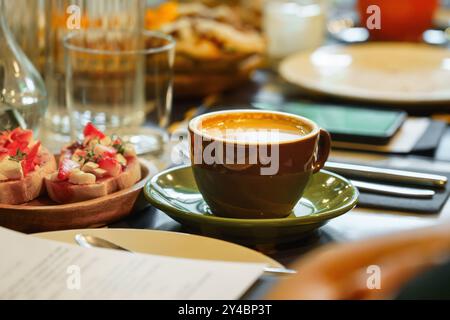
293,25
119,80
63,17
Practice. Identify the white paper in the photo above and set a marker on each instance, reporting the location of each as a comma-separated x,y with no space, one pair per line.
32,268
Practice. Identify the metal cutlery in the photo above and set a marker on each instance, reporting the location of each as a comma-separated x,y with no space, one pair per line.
88,241
393,190
387,175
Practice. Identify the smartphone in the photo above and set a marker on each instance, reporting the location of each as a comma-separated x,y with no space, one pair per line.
349,124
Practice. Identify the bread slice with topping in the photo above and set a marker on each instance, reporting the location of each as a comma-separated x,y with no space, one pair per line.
23,165
93,168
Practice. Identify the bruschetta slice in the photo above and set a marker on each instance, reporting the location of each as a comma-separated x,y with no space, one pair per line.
23,165
95,167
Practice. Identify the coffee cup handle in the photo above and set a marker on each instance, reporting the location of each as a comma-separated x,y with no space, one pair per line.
323,150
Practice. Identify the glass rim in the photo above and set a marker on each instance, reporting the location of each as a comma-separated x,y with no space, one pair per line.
156,34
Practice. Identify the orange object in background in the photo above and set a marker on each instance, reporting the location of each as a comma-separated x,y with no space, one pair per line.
165,13
401,20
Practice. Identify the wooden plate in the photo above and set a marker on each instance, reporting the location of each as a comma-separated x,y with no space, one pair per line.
44,215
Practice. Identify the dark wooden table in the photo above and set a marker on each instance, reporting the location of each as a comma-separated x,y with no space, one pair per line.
266,86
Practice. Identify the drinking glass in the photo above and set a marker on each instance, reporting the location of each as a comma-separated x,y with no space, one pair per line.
119,80
293,25
66,16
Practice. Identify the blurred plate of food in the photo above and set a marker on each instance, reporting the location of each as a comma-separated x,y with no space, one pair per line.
216,48
395,73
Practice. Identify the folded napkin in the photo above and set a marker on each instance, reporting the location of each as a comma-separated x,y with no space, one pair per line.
419,136
433,205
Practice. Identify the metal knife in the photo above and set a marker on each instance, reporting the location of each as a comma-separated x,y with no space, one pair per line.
88,241
387,175
393,190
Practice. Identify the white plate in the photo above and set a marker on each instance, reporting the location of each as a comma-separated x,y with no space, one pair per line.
166,243
380,72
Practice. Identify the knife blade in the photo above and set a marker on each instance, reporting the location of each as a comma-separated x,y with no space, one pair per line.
393,190
387,175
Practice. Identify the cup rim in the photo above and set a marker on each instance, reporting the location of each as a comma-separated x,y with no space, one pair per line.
171,43
193,125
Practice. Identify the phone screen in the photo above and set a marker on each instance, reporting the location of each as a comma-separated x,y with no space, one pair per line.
344,120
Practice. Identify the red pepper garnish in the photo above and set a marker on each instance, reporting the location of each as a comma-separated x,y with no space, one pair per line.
90,131
15,141
118,141
22,136
16,146
17,137
29,162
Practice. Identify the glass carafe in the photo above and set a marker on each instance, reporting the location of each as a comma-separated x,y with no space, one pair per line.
23,96
26,20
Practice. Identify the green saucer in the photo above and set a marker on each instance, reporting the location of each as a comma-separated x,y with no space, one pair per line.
175,192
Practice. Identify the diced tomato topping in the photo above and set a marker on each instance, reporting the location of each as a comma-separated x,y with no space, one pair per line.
16,146
34,150
30,160
20,135
111,165
16,143
65,167
16,140
118,141
90,131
